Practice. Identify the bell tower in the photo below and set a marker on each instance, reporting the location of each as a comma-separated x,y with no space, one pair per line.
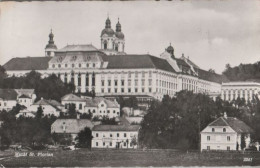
50,47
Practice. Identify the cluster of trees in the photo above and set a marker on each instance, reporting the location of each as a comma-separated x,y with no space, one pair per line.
50,87
243,72
177,122
26,131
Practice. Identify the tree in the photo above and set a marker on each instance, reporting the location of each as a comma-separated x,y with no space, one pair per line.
86,116
84,138
243,142
133,141
39,112
72,113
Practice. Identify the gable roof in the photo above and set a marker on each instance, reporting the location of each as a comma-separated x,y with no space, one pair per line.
8,94
71,125
78,47
52,103
116,128
26,92
71,97
236,124
27,63
138,62
94,102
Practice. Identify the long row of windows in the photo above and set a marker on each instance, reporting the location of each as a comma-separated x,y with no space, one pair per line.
111,135
228,138
72,79
87,65
111,144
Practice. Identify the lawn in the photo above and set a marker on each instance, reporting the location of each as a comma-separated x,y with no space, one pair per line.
106,157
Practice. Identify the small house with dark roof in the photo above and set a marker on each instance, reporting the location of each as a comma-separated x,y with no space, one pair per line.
115,136
71,126
49,107
225,133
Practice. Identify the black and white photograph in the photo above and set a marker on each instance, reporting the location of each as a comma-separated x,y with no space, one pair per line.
130,83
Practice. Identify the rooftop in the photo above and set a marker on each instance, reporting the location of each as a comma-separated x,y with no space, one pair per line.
71,125
78,47
116,128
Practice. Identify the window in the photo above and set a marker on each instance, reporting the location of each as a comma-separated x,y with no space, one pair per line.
224,129
129,82
53,66
129,90
150,82
115,82
110,143
105,45
109,90
96,134
117,134
208,147
142,89
213,129
109,82
228,138
104,144
108,111
80,106
59,65
124,143
142,82
136,90
114,111
87,65
115,90
122,82
103,83
72,65
94,65
228,148
102,105
124,134
150,90
102,90
111,135
66,65
79,65
96,143
208,138
122,90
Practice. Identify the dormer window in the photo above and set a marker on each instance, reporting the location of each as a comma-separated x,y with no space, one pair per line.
53,66
72,65
224,129
59,65
213,129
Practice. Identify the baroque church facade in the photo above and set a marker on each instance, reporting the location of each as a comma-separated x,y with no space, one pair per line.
111,72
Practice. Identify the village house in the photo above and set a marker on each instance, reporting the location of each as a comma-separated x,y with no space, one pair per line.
225,133
71,126
49,107
98,106
115,136
10,97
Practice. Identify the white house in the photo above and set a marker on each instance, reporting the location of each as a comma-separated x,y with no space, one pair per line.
49,107
26,113
98,106
71,126
115,136
225,134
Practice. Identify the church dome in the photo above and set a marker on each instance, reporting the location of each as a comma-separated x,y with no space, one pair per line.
120,35
170,49
108,31
51,44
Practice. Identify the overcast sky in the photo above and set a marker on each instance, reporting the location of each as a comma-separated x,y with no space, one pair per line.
211,33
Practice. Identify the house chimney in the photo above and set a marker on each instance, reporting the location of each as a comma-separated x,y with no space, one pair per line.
225,115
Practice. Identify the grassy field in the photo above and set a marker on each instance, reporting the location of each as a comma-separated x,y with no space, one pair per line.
101,158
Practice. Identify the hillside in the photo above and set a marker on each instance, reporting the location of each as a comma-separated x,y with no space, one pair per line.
243,72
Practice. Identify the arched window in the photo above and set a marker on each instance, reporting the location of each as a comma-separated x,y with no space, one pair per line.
105,45
224,129
116,47
213,129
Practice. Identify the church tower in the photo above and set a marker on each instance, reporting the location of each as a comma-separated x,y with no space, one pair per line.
50,47
112,43
120,39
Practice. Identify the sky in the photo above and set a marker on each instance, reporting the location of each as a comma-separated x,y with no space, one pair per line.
210,33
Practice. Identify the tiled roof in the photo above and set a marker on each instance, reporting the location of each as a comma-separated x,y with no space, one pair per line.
236,124
138,62
116,128
52,103
27,63
213,77
71,125
71,97
8,94
80,47
94,102
24,96
25,91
